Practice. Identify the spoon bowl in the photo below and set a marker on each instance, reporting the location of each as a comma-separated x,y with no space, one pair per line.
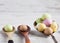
25,33
45,34
9,34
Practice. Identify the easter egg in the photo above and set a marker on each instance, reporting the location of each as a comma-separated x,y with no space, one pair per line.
39,20
54,26
47,22
8,28
46,16
48,31
41,27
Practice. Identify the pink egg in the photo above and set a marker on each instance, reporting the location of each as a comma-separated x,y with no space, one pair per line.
47,22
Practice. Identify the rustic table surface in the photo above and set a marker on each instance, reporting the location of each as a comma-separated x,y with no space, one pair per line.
16,12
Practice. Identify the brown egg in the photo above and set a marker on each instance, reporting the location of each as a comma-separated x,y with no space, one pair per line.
23,27
48,31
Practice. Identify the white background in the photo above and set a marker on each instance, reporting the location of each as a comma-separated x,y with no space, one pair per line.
16,12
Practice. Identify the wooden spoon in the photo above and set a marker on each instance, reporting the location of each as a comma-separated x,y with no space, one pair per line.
9,34
25,34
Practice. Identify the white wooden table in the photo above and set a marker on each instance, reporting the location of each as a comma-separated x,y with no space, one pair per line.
18,12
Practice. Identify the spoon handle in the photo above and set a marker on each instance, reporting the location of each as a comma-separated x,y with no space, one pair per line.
54,38
27,40
10,41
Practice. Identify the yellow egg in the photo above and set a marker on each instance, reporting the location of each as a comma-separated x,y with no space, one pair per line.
54,26
41,27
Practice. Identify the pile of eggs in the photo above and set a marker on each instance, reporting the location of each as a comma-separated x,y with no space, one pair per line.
46,25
